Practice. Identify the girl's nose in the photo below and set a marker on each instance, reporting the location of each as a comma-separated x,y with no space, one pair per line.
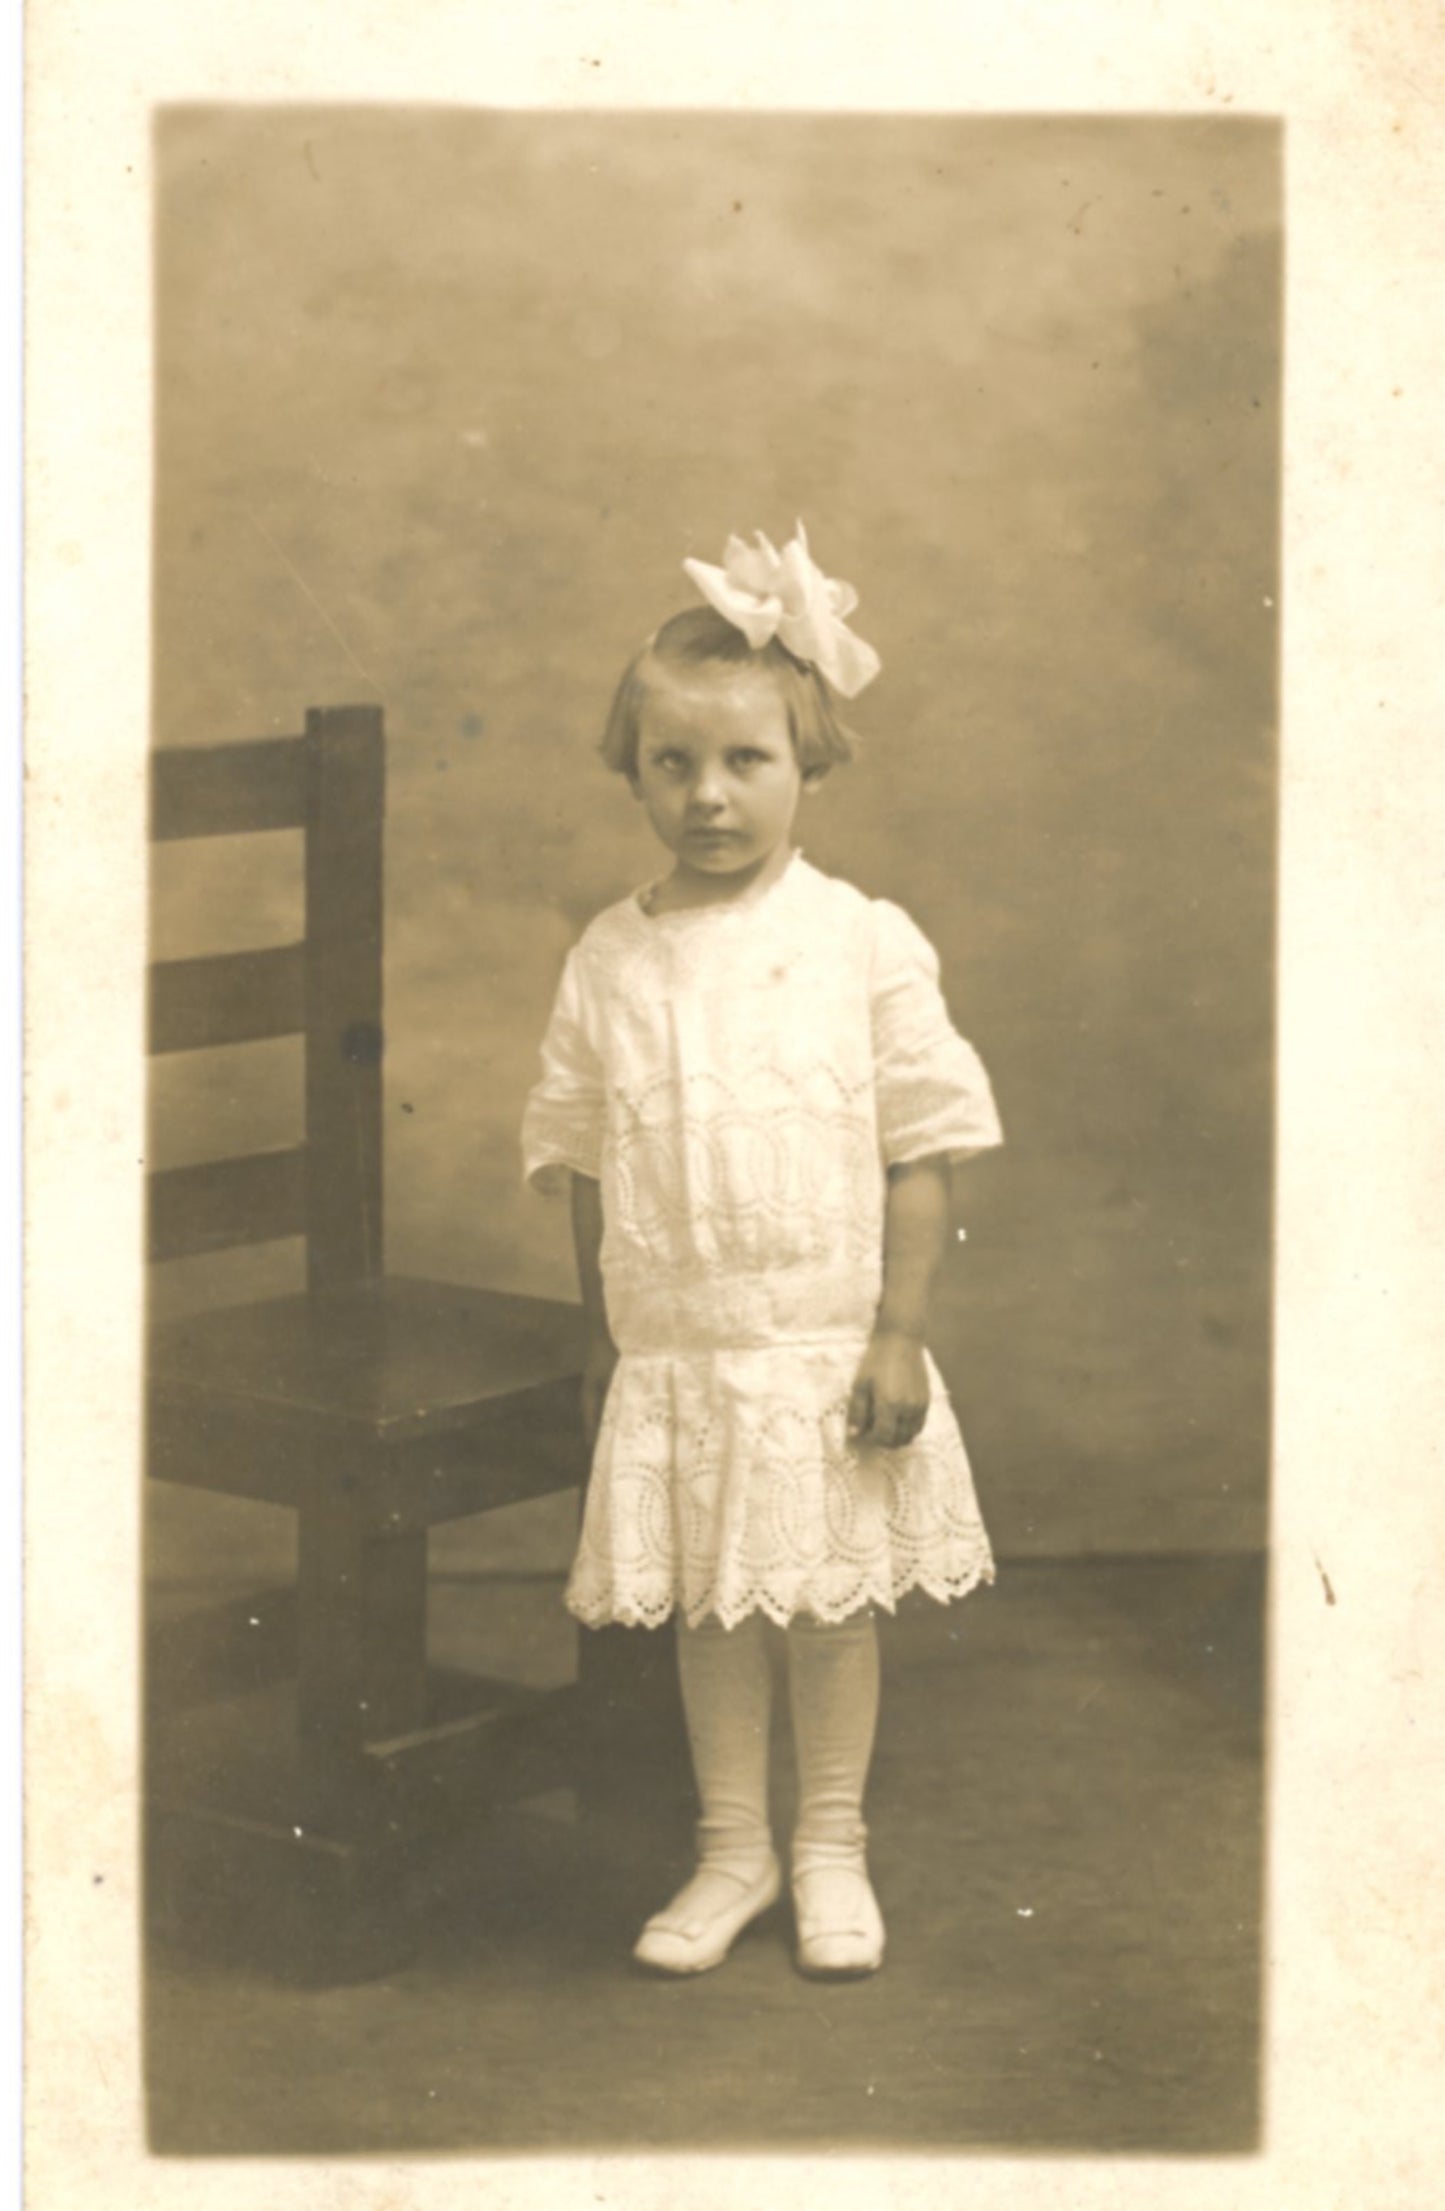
707,797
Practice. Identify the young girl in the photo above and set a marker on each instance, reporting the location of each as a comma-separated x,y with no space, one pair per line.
751,1082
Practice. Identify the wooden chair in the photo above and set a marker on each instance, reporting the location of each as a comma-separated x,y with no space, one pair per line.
374,1407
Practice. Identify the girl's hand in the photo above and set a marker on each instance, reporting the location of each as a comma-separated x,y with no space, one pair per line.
889,1403
597,1370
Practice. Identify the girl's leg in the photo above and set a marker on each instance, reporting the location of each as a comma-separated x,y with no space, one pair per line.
727,1697
833,1683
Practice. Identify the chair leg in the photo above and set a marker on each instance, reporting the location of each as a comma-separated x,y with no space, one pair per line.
310,1909
336,1882
630,1708
361,1637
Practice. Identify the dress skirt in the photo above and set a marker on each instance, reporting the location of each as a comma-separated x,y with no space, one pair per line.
725,1483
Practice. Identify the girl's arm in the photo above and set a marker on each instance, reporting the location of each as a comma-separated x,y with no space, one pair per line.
601,1353
889,1403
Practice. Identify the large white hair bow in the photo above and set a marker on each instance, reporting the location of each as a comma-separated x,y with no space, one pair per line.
765,594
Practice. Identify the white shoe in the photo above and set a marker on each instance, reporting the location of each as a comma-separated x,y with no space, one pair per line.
700,1925
840,1928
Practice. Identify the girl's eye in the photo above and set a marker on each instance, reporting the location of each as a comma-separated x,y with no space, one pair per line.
669,760
748,756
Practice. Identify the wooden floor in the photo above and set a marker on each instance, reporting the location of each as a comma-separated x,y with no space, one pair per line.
1067,1843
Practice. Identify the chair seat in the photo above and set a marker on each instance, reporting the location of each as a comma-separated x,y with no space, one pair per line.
402,1359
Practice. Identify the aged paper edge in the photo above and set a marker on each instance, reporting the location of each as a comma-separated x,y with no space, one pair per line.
1355,2031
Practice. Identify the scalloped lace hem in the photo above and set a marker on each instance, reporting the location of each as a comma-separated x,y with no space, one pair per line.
602,1609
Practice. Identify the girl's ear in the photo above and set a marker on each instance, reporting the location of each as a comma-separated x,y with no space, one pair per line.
812,777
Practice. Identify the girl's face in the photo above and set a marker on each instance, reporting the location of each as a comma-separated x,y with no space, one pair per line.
718,775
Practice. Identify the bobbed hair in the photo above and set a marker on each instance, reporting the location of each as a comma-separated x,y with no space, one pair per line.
700,638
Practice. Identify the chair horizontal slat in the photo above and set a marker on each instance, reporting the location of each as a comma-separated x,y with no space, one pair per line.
227,790
227,998
253,1200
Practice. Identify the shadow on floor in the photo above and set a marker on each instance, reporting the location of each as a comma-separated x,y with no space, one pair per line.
1066,1814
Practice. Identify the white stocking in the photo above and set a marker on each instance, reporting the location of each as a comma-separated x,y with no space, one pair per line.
833,1691
727,1699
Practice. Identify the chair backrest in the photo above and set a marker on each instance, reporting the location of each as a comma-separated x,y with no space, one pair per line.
330,783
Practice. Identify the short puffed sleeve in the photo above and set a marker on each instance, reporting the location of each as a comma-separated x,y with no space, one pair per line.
933,1094
565,1115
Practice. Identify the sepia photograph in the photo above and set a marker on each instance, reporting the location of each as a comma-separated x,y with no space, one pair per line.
712,909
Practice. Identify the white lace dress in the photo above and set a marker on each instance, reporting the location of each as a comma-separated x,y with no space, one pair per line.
739,1077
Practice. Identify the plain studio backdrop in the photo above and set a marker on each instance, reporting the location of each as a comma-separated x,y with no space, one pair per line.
443,400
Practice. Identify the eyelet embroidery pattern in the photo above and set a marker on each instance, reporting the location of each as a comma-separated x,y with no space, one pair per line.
740,1179
729,1486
